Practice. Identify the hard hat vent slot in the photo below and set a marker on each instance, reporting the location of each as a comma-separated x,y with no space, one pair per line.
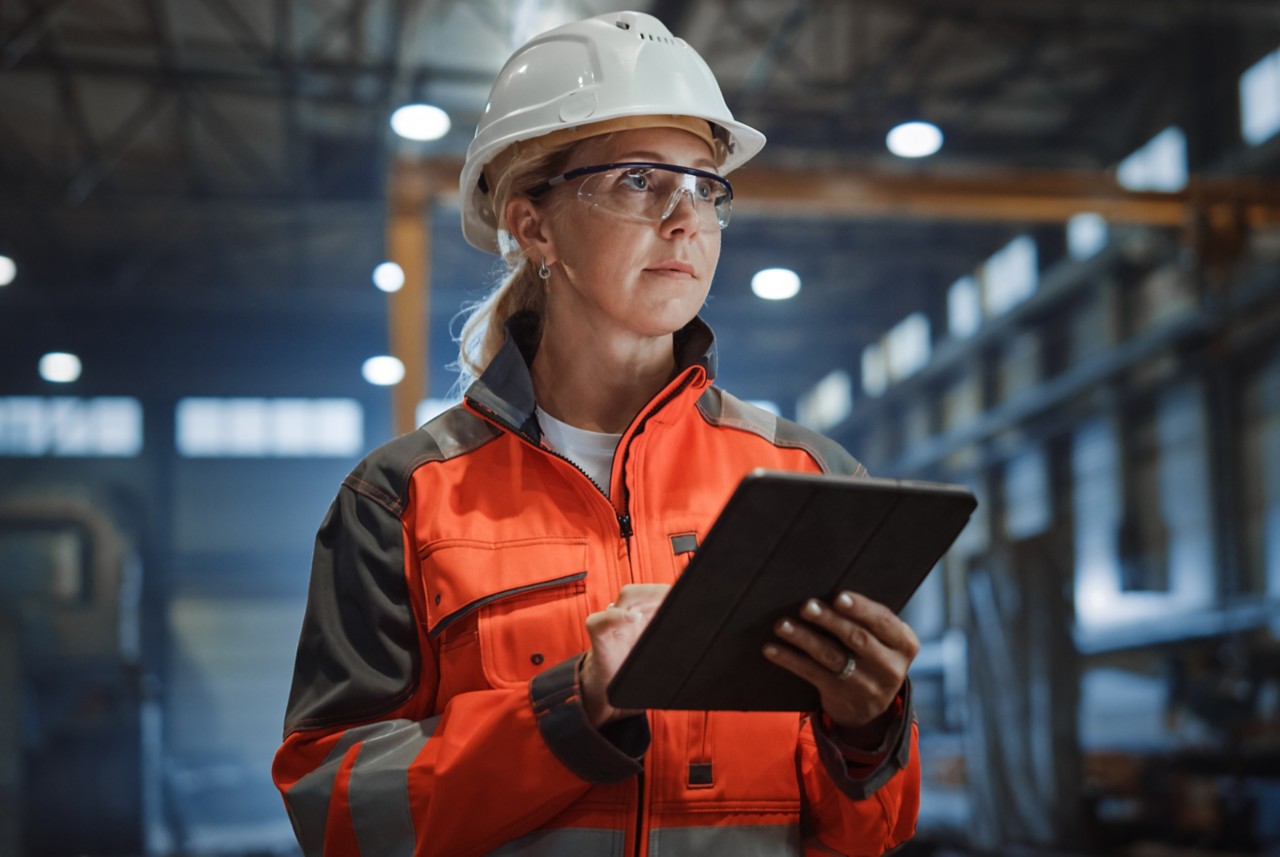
664,39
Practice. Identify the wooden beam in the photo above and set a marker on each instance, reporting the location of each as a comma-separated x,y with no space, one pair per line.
1036,196
409,198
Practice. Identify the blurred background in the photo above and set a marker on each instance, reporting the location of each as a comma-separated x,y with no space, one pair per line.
1028,245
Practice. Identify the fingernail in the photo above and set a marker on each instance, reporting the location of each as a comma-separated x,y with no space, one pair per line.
786,627
813,608
771,651
845,599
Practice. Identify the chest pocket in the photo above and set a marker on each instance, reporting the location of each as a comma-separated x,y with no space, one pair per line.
505,611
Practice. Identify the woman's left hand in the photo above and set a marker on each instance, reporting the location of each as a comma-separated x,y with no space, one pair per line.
856,652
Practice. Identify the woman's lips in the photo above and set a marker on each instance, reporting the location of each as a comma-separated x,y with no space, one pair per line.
672,266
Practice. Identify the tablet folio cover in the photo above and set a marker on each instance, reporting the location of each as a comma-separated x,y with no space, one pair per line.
781,539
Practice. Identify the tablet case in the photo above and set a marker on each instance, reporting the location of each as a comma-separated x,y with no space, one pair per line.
781,539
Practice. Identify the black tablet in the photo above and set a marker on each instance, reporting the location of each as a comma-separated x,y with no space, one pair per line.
781,539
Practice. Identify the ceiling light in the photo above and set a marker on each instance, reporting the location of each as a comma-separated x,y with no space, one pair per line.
914,140
384,371
420,122
776,284
388,276
59,367
8,270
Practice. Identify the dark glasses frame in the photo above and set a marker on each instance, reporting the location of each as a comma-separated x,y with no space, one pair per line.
604,168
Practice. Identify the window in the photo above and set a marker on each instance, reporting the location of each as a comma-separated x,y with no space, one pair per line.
108,426
1010,276
1160,165
1086,235
226,428
1173,493
828,403
899,354
907,346
1260,99
964,307
875,371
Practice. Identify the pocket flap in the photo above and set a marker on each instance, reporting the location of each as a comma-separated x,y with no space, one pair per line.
464,575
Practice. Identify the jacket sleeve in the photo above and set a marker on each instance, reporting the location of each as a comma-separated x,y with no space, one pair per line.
860,803
856,803
368,766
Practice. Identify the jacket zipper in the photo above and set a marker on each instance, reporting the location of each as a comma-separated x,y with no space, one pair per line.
624,520
626,454
624,527
639,843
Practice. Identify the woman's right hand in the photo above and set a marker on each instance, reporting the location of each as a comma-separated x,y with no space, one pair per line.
613,631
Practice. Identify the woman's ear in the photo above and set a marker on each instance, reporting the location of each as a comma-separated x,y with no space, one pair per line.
527,224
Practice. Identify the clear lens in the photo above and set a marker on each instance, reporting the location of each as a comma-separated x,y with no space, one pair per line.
652,194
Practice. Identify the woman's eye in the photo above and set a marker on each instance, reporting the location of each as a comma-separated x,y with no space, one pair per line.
706,190
635,181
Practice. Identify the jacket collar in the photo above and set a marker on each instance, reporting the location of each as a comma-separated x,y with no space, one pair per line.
505,389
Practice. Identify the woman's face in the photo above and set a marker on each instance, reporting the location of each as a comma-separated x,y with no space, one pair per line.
640,279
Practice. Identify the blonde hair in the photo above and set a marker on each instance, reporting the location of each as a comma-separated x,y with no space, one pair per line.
519,287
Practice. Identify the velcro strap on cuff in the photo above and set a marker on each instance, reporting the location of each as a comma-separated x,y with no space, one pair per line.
839,759
568,733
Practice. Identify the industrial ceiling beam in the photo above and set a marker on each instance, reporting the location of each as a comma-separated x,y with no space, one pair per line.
95,169
1033,195
28,33
1036,196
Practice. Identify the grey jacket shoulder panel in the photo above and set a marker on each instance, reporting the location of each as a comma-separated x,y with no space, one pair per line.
383,476
358,653
721,408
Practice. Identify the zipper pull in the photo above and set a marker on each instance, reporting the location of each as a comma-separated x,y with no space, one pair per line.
624,524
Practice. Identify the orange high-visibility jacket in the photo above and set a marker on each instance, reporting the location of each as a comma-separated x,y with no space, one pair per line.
435,710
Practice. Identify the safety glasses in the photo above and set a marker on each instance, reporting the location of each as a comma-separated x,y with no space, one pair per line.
649,192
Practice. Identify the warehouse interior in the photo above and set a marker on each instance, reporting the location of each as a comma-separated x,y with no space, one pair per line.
1072,307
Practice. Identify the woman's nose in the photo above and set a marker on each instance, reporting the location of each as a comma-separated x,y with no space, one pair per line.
677,216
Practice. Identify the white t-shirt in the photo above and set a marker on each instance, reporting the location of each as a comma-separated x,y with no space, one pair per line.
590,450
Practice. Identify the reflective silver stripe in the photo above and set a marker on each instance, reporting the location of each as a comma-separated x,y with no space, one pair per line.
565,842
308,800
771,840
379,789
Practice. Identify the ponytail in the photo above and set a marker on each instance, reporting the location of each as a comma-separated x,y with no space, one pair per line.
520,288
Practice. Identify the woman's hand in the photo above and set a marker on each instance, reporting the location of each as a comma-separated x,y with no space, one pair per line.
613,631
856,652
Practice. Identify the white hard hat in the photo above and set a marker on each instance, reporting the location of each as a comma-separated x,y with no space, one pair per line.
624,64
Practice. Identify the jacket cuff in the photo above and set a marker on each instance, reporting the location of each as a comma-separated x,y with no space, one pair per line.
859,773
598,756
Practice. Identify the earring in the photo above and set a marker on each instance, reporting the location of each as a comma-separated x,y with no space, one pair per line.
543,271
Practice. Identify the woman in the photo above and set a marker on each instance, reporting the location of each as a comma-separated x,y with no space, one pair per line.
477,583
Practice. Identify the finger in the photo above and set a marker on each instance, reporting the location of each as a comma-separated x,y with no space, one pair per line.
642,596
850,639
611,621
819,647
804,666
879,621
851,634
869,632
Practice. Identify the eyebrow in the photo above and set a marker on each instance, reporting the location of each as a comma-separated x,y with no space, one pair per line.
706,163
